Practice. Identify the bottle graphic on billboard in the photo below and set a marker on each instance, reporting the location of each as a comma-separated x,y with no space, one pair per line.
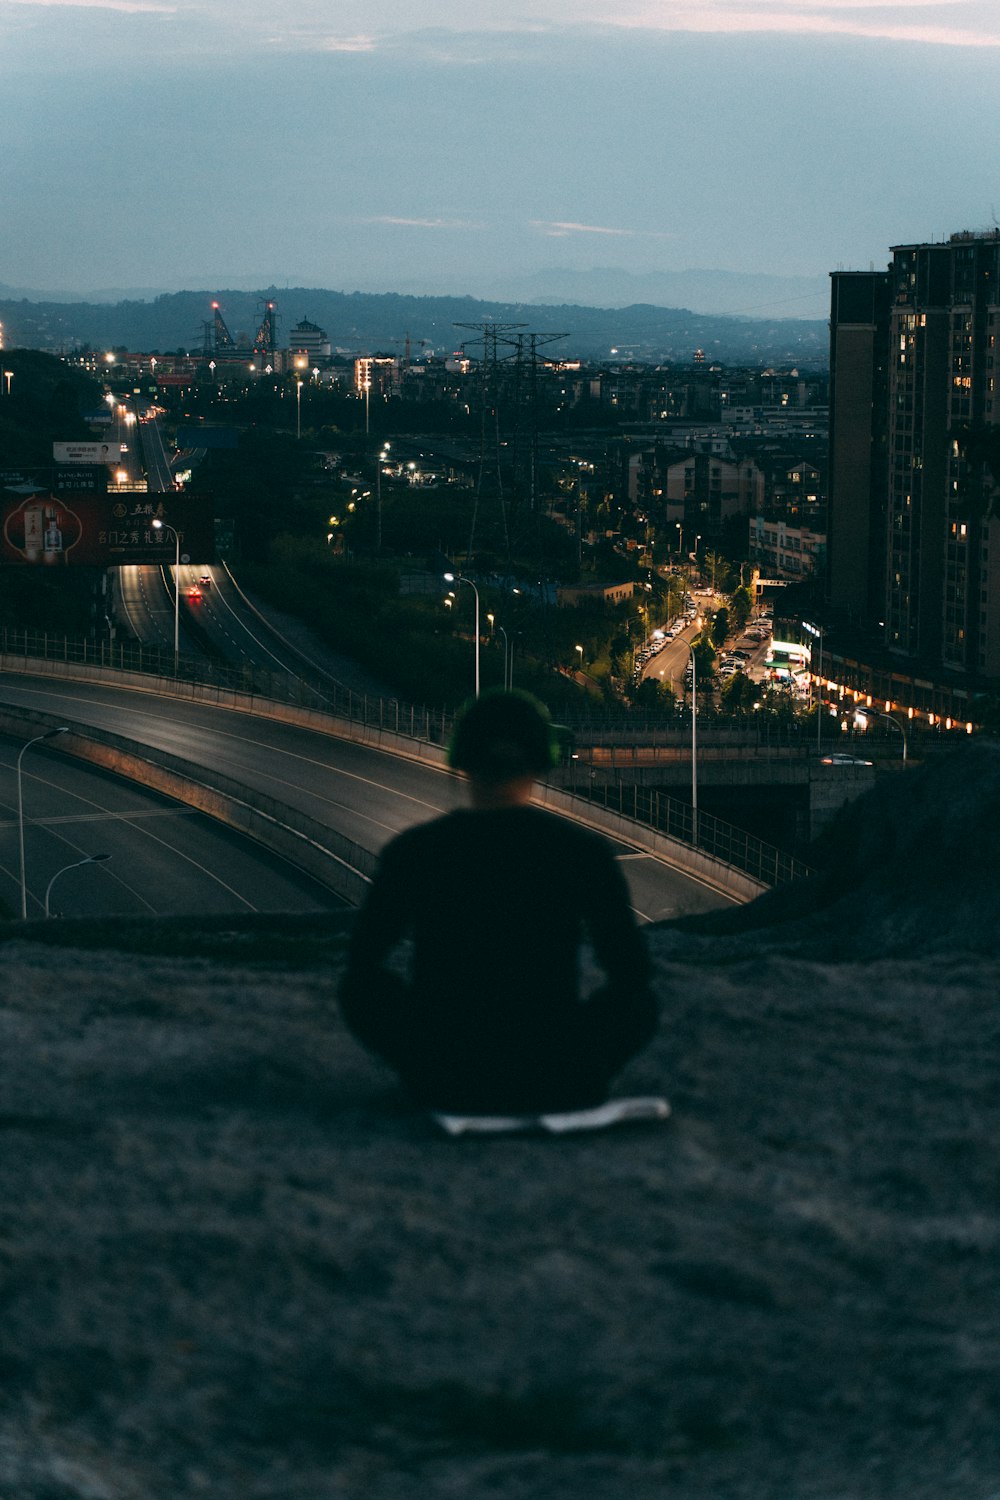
53,537
43,529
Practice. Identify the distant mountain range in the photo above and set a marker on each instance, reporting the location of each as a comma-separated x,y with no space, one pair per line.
728,293
367,322
724,293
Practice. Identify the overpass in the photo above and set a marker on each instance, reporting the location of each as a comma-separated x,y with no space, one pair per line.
301,827
727,759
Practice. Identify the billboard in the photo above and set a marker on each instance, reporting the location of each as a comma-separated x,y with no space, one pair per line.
59,530
86,453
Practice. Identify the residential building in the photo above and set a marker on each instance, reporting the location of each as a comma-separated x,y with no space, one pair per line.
914,544
784,550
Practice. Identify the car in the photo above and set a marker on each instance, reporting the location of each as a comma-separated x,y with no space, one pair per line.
840,759
205,581
194,594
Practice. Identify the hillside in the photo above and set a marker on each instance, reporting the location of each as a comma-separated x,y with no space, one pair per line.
235,1265
367,321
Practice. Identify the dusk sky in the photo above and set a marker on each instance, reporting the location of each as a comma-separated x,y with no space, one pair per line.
436,145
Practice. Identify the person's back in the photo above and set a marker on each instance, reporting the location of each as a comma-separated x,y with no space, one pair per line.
498,901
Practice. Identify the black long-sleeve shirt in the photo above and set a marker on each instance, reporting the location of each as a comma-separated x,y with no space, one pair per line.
497,904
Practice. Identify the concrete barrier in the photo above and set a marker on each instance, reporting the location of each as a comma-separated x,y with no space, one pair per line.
727,879
338,864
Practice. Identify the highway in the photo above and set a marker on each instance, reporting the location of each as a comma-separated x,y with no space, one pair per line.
154,456
214,621
166,859
364,794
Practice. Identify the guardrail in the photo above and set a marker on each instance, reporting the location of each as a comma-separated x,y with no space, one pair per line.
338,863
388,724
325,696
711,836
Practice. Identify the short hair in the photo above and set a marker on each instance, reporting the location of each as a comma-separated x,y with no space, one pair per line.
502,736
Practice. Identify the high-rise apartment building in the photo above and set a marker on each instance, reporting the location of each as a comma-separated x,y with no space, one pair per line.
914,545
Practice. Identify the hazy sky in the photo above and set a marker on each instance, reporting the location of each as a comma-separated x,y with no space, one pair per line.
200,143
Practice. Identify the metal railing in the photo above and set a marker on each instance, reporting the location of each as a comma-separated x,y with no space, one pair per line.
723,841
654,809
322,695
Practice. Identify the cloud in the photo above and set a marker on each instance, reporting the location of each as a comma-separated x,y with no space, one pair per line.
348,44
421,223
956,23
561,228
558,228
132,6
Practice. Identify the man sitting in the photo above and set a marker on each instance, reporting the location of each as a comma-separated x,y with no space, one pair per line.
498,899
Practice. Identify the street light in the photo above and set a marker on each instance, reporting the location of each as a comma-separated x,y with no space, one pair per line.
816,631
159,525
50,735
378,495
508,661
694,736
298,408
91,859
901,727
458,578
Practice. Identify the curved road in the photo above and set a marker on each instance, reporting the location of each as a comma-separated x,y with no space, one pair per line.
166,859
364,794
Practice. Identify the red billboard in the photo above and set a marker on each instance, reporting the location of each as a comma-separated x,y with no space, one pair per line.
51,530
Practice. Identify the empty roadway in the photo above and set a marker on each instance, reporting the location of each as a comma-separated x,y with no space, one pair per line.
166,859
365,794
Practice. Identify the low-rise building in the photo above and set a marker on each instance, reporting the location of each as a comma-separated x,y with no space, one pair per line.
786,551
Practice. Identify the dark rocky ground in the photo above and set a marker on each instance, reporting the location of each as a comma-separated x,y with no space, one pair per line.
232,1264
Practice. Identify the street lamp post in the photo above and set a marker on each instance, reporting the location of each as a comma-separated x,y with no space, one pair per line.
694,737
91,859
298,408
159,525
816,632
884,714
383,452
459,578
508,661
51,735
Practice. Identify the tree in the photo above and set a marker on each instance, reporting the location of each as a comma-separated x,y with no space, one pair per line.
741,607
739,694
654,697
720,627
704,655
719,571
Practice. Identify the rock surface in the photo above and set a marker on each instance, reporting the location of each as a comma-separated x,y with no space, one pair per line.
233,1264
